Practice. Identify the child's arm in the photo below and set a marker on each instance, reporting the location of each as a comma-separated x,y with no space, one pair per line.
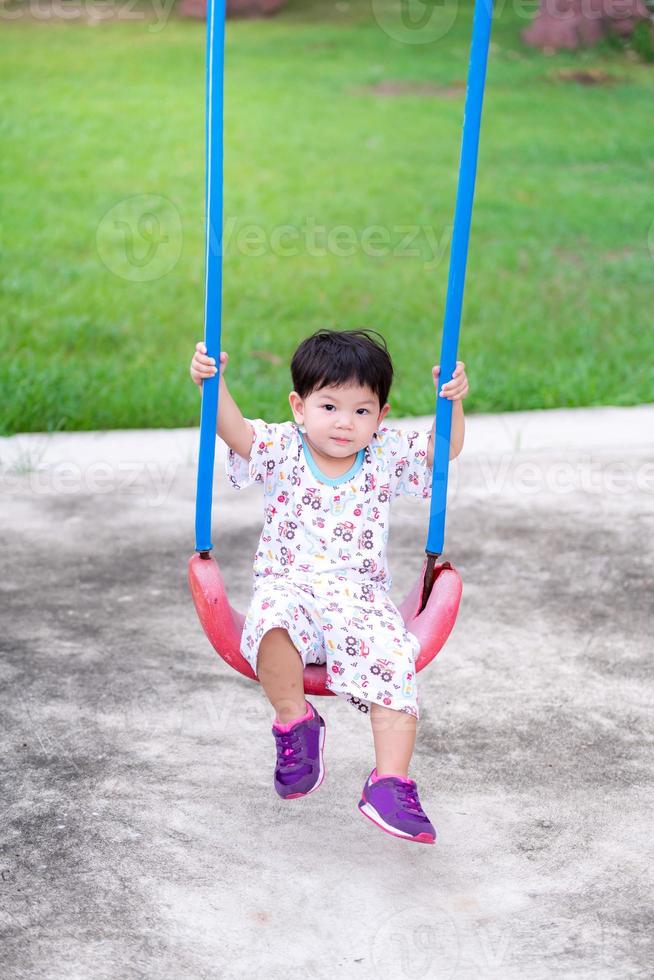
231,426
455,390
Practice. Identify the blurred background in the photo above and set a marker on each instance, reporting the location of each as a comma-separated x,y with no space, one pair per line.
342,139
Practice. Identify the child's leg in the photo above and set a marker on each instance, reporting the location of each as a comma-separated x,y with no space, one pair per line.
394,733
281,673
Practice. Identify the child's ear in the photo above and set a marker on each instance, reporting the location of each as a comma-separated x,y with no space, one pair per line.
297,407
383,413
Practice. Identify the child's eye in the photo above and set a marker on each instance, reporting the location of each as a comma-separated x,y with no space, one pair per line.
358,409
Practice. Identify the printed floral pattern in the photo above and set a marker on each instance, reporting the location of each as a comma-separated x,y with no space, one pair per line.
320,569
370,655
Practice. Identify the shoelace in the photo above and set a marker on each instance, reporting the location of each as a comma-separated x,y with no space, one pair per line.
288,748
408,794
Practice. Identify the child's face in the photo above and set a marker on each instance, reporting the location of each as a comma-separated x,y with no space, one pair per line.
339,421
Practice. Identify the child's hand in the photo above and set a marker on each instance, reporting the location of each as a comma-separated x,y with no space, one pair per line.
205,367
458,387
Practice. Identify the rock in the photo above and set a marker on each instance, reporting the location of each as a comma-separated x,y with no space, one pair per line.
575,23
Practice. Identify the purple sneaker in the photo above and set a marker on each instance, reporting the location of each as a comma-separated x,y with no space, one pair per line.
392,803
300,765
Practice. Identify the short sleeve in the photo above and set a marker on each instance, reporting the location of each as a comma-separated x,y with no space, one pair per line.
406,460
270,441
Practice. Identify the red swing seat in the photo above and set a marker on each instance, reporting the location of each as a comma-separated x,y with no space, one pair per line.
223,624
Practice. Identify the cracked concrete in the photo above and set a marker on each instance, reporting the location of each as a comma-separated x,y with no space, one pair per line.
140,833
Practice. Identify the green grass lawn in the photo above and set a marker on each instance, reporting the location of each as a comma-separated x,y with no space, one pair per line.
330,122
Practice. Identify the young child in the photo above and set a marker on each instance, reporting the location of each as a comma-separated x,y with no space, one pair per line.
321,578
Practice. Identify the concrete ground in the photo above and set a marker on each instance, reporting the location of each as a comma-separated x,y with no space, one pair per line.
140,833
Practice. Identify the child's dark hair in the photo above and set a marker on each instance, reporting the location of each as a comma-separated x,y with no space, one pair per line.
340,357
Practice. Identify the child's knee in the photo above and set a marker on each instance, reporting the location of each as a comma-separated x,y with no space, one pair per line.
276,644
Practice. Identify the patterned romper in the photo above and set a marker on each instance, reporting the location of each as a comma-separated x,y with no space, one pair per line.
320,569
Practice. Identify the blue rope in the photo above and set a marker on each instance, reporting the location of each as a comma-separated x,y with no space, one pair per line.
481,28
213,263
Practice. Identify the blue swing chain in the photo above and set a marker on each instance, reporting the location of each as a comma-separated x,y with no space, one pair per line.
215,61
215,57
481,28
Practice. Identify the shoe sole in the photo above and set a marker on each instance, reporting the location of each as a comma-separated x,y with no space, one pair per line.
369,811
321,774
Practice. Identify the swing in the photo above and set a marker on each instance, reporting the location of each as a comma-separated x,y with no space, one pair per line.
430,609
